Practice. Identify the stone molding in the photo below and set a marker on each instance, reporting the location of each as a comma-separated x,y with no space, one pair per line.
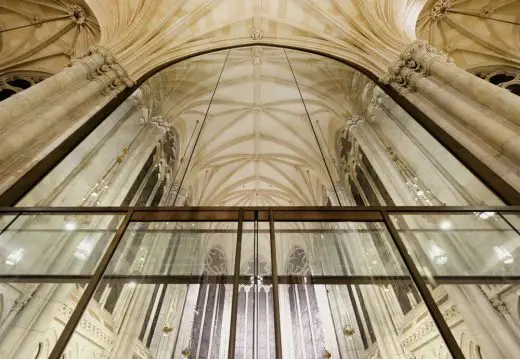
427,330
414,63
91,330
103,67
353,122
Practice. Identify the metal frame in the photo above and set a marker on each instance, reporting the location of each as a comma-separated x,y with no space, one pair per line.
265,214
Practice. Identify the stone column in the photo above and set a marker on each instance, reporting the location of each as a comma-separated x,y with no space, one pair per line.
483,117
35,121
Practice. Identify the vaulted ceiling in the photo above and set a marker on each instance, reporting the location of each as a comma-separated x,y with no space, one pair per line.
144,34
474,33
257,146
43,35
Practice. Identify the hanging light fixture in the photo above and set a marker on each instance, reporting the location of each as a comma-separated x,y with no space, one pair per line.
326,354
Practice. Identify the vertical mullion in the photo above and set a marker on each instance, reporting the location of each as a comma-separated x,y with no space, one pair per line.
234,298
75,318
418,280
276,303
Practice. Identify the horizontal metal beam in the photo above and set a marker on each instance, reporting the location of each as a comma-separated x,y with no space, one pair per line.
245,279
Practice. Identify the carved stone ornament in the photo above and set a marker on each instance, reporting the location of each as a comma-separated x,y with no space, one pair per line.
109,73
440,9
257,34
499,305
414,63
353,122
77,13
428,329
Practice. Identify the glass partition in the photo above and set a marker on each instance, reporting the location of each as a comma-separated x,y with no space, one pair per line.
166,293
472,266
346,293
45,262
259,126
171,283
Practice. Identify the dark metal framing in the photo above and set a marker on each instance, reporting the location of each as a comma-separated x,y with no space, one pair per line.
266,214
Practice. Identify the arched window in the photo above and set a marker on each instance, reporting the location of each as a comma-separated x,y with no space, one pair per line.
308,337
207,324
508,78
13,83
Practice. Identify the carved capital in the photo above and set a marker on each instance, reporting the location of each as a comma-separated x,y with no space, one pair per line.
102,66
414,63
353,122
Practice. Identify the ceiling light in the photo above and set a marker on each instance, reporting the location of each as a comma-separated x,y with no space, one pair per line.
438,255
131,285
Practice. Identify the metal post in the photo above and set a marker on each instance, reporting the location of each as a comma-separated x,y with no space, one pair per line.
75,318
432,307
276,303
236,279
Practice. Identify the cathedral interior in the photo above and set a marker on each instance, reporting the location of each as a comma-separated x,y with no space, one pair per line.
259,179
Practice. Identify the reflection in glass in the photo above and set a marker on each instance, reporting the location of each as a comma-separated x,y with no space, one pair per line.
472,263
166,293
277,128
33,315
376,308
55,243
55,249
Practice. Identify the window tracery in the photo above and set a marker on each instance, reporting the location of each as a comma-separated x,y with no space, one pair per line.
14,83
505,78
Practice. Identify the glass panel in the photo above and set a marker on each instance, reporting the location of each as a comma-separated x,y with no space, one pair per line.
383,155
167,293
472,264
255,320
257,139
45,262
6,219
56,243
34,313
133,155
366,304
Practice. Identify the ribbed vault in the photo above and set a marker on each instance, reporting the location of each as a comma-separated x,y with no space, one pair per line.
474,33
257,146
43,35
145,34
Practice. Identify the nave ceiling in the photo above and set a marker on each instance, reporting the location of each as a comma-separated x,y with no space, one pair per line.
257,146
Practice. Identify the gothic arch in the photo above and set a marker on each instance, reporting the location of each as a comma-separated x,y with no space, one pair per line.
215,261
